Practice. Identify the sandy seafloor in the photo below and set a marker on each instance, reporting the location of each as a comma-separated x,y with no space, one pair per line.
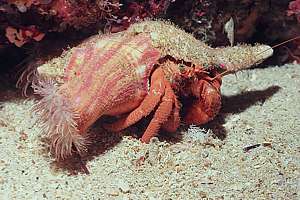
260,106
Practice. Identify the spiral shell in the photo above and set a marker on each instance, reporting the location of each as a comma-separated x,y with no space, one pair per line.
99,75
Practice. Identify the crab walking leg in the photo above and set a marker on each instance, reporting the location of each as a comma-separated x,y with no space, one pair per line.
174,119
161,115
157,90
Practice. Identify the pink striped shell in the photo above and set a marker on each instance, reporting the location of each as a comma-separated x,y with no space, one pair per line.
102,75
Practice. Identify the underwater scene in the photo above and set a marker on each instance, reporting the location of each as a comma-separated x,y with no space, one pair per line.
158,99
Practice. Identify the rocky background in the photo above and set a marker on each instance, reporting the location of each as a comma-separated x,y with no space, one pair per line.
32,31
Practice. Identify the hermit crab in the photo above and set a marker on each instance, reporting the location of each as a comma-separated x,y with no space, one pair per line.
152,67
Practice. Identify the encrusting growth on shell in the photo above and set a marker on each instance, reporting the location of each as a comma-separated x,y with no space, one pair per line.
171,40
109,75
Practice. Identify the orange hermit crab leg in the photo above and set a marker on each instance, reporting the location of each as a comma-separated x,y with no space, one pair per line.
161,115
174,119
157,90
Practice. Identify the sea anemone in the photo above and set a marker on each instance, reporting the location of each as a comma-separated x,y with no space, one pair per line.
58,118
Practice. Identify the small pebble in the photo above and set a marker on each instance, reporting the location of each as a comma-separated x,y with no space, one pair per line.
112,191
123,186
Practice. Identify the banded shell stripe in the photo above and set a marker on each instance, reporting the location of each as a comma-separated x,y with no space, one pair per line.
120,57
90,71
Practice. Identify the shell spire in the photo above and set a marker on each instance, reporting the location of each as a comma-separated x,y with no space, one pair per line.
171,40
241,57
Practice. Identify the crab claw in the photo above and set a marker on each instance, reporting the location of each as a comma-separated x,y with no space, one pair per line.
207,103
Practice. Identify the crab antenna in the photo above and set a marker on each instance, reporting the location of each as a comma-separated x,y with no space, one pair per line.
221,75
292,39
277,45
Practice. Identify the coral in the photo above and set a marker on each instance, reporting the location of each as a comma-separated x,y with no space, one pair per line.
22,36
23,23
69,19
71,12
135,11
254,21
23,5
206,18
195,17
294,51
294,9
64,13
59,15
